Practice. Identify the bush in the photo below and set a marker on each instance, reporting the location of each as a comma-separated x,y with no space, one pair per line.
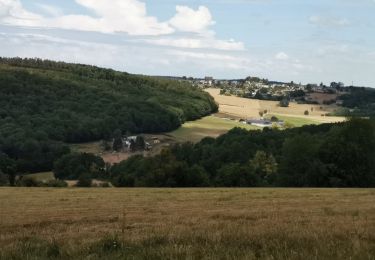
71,166
29,182
57,184
306,113
284,102
84,180
3,179
105,185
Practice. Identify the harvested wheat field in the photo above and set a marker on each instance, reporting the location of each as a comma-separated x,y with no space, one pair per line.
112,223
250,108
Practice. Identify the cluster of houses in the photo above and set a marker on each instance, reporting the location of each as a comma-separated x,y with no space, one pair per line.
262,88
208,82
257,88
130,141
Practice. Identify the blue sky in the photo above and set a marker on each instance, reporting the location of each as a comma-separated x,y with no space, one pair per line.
308,41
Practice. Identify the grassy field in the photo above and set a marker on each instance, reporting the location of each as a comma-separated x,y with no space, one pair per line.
295,121
110,223
210,126
250,108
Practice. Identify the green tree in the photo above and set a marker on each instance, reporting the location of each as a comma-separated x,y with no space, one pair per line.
284,102
235,175
264,166
4,181
117,140
349,153
8,167
71,166
300,165
84,180
140,143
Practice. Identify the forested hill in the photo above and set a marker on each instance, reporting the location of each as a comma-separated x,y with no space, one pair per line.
45,102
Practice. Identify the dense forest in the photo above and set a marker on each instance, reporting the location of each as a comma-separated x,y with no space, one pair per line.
358,102
46,104
329,155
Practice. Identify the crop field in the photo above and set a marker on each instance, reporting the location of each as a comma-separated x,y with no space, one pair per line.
250,108
45,223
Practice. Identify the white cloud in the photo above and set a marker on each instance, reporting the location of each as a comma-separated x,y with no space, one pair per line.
12,12
49,9
199,43
189,20
129,16
327,21
281,56
126,16
333,49
134,58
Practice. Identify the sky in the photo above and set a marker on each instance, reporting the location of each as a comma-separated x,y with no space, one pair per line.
307,41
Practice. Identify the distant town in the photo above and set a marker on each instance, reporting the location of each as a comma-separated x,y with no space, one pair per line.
264,89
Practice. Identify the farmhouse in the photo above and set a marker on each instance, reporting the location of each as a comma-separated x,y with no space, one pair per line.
264,122
259,122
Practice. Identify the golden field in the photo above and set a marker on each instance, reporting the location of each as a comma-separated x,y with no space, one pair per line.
45,223
250,108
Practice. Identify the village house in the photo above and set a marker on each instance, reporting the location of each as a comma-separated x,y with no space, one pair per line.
264,122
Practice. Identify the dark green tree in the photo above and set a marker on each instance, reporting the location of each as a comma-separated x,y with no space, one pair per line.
8,167
284,102
84,180
71,166
117,140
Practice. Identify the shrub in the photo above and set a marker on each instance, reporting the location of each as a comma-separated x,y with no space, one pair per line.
84,180
284,102
105,185
306,113
29,182
57,184
3,179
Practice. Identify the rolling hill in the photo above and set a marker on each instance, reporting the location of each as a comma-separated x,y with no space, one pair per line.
44,104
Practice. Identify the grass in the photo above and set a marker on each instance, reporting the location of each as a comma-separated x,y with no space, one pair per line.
111,223
42,176
296,121
210,126
90,147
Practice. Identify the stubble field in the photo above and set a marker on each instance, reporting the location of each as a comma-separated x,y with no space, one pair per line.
250,108
110,223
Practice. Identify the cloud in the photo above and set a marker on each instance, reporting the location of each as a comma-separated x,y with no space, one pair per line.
124,16
326,21
127,16
134,58
199,43
281,56
12,12
49,9
333,49
188,20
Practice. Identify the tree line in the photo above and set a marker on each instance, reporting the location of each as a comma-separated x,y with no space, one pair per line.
330,155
